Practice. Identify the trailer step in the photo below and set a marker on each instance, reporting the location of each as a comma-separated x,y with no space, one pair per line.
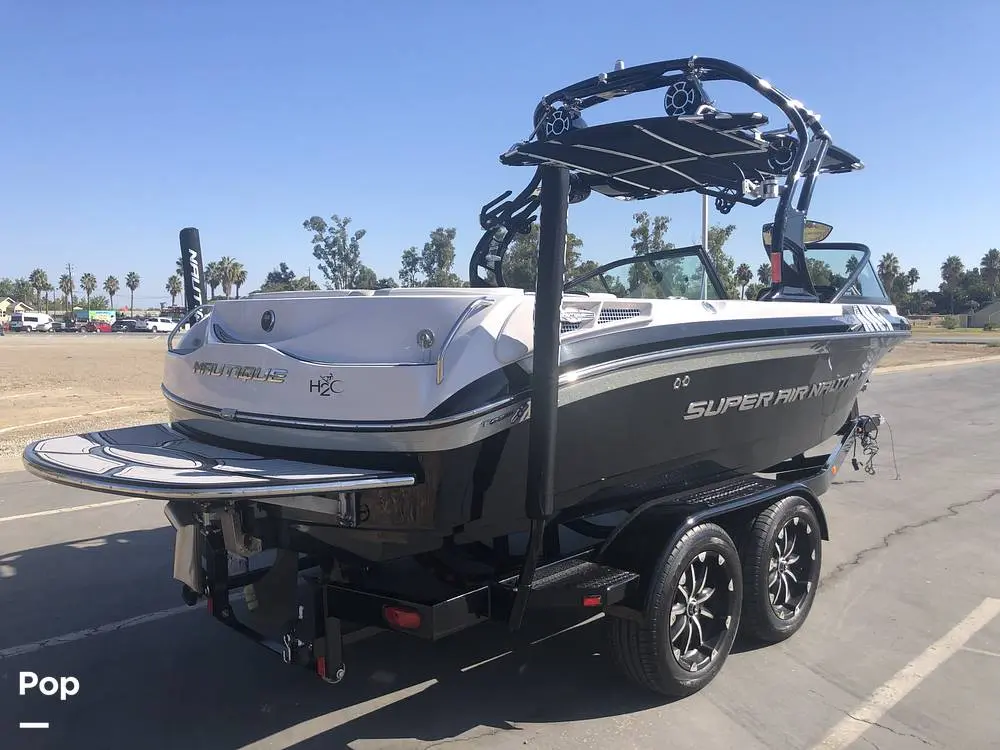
573,582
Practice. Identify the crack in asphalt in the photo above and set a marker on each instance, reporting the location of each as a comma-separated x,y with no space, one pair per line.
951,511
889,729
871,742
488,732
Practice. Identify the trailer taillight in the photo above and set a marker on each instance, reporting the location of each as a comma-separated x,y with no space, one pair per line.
592,601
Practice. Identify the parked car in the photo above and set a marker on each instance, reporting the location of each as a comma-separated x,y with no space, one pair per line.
22,321
97,326
156,325
123,325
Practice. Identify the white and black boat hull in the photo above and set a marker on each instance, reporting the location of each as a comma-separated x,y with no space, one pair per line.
627,428
647,409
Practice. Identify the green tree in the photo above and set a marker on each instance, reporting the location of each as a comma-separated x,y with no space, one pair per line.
951,274
173,288
764,274
989,266
724,264
432,266
39,281
744,275
239,277
111,287
339,252
66,286
213,277
49,289
20,290
520,263
283,279
88,283
132,283
226,267
647,235
888,271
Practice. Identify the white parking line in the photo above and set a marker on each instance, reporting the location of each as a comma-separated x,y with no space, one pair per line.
131,622
35,393
887,695
79,635
72,509
70,417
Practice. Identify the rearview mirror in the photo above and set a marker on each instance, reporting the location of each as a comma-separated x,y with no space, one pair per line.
816,231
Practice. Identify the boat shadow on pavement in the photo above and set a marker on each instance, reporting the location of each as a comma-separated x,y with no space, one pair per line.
181,679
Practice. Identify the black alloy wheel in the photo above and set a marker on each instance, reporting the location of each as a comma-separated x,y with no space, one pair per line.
783,559
690,619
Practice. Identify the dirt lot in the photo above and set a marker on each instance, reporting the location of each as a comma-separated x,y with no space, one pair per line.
59,383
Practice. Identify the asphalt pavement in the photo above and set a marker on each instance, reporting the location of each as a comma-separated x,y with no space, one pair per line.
901,650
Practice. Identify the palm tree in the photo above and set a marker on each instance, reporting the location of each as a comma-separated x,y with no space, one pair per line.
66,287
764,274
888,270
132,282
951,273
212,277
912,277
48,288
88,282
173,288
989,266
239,276
744,274
111,287
39,281
226,270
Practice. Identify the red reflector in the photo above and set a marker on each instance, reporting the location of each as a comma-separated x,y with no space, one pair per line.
321,666
592,601
775,268
401,618
208,603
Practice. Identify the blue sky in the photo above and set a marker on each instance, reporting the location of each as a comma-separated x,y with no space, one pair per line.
125,121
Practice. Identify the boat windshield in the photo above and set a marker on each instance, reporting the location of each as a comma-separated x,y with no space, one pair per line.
832,264
668,274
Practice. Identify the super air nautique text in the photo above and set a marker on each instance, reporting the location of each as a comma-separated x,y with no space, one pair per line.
249,373
748,401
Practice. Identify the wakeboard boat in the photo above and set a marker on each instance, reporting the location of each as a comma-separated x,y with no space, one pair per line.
363,427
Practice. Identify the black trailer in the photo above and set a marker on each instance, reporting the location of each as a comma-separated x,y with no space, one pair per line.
688,570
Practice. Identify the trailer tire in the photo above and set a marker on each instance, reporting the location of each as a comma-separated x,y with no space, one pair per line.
643,647
783,560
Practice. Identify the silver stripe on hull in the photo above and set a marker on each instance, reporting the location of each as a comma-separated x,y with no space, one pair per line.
455,432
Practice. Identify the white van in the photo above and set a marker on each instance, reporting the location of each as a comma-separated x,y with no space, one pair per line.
30,321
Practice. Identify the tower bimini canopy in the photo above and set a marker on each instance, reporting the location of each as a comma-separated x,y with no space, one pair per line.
694,147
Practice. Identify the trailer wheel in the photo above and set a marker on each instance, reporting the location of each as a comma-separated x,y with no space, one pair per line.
781,570
690,617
